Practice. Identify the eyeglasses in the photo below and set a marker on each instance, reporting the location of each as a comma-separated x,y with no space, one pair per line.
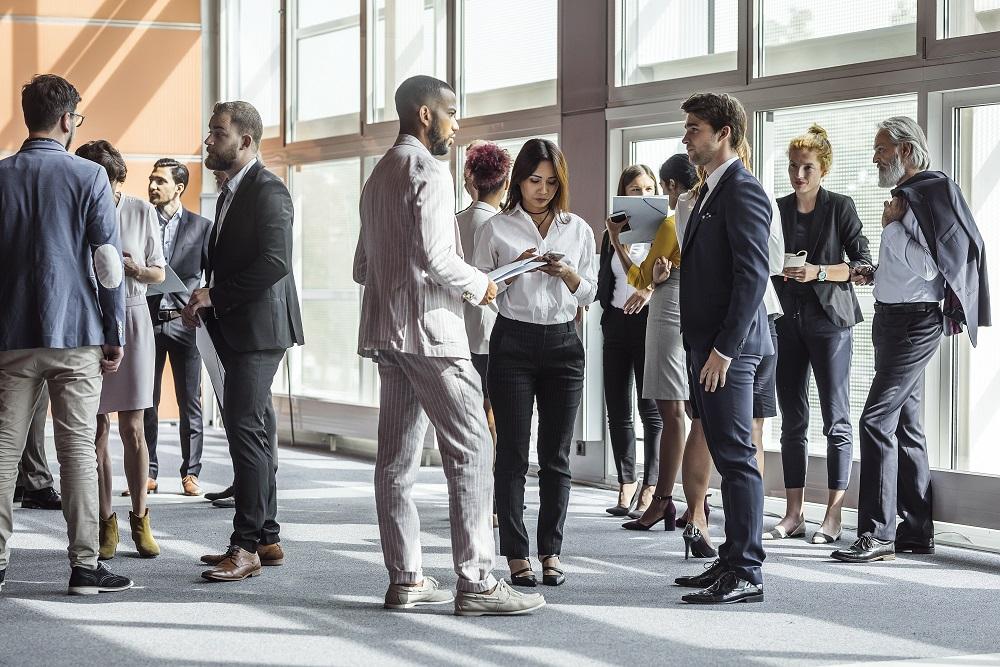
79,118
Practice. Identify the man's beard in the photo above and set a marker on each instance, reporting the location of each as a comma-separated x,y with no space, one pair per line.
439,143
890,175
223,161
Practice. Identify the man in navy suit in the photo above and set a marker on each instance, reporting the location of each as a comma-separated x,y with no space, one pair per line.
725,332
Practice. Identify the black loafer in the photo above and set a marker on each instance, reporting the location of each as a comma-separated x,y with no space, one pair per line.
915,546
729,589
42,499
866,549
711,575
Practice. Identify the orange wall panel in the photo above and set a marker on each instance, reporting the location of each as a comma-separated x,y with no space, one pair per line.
183,11
138,179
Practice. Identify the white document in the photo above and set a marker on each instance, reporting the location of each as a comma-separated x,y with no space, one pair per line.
171,283
209,357
795,260
516,268
645,215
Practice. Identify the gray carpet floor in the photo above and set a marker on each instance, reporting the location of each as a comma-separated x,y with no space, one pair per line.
323,607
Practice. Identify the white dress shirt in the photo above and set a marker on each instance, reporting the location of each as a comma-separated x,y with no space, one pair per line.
537,297
906,270
478,319
637,252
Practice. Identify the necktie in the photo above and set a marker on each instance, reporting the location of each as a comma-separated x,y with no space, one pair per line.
219,204
695,213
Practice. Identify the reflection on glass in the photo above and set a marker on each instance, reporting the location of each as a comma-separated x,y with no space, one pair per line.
978,171
508,55
851,127
959,18
671,39
797,36
253,58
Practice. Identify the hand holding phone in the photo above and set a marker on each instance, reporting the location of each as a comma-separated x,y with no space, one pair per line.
615,222
553,256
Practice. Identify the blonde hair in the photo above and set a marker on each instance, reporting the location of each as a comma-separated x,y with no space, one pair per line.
816,140
742,152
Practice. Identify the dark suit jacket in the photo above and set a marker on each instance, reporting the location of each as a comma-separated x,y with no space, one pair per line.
957,246
188,259
725,272
254,296
836,231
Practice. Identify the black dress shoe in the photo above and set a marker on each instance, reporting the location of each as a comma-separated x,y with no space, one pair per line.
915,546
18,493
711,574
42,499
226,503
866,549
727,590
227,493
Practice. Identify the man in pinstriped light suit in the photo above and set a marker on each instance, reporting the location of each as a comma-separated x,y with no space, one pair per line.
412,326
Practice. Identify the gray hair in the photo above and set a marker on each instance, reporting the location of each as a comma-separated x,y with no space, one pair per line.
244,116
904,130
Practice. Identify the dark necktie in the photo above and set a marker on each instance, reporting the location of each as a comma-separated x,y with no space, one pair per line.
695,212
219,204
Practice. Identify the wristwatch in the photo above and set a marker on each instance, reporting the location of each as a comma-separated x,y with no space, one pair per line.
822,274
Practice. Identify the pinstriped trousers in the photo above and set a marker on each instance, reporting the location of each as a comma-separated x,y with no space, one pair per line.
446,392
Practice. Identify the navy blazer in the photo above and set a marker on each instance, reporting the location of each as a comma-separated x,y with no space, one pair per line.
956,245
254,295
188,259
56,209
725,269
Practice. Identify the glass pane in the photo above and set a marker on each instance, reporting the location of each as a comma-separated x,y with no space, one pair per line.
326,205
978,152
495,76
671,39
253,59
796,36
958,18
851,127
512,146
326,99
410,38
654,152
316,12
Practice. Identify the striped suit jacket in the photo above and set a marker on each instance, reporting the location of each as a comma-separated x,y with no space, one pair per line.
407,258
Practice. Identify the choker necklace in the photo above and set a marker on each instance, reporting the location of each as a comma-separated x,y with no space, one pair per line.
538,223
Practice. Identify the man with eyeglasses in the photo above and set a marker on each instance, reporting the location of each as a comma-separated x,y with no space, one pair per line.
64,310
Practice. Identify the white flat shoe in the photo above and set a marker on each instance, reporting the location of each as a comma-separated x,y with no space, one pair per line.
779,533
822,538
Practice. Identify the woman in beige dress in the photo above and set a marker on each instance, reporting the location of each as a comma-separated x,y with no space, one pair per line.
129,391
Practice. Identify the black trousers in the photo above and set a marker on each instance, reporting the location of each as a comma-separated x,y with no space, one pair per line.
727,417
251,428
895,475
624,359
185,366
808,339
532,363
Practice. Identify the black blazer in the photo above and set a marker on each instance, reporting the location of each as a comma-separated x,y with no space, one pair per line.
724,256
254,296
187,259
957,246
836,231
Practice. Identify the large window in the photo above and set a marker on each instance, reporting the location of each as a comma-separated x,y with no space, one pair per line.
851,127
977,153
960,18
507,55
325,82
253,58
410,38
672,39
796,36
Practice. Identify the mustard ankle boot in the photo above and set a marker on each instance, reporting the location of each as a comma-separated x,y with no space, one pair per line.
109,538
142,535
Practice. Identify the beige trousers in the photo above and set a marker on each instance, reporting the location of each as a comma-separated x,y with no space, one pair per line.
73,378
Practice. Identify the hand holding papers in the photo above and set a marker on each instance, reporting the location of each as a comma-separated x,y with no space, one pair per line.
795,260
171,284
515,268
645,214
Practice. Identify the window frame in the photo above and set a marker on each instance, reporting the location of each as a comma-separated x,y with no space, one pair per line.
980,46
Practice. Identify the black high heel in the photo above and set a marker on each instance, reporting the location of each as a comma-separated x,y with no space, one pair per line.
669,517
683,520
695,543
523,577
557,577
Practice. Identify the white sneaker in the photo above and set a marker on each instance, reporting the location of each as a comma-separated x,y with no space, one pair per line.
406,597
501,601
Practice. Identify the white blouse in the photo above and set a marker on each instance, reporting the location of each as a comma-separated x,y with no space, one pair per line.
140,235
537,297
637,252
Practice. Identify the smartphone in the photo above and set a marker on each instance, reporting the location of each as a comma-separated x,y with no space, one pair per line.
618,216
554,256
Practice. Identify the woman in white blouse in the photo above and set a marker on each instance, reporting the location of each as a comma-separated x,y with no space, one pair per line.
535,352
129,391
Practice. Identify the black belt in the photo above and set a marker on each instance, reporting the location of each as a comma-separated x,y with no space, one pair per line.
916,307
167,315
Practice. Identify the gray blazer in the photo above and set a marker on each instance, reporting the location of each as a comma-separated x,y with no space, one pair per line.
56,210
478,319
408,261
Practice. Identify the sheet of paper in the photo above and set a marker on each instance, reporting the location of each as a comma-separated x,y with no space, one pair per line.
209,357
645,214
795,260
514,269
171,284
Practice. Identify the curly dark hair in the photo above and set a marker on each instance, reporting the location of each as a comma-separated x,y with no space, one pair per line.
489,166
106,155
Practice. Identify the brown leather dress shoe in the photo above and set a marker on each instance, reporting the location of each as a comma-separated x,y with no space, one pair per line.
237,565
269,554
151,487
190,484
